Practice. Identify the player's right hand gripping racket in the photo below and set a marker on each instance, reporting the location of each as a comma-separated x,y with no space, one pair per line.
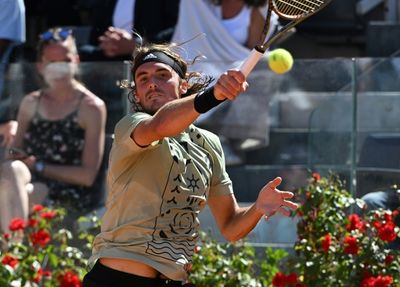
296,11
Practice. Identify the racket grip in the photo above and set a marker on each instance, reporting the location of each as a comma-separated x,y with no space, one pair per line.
248,65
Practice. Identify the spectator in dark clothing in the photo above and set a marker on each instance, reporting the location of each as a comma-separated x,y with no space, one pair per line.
112,36
55,13
42,15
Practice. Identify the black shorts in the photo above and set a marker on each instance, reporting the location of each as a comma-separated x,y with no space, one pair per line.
103,276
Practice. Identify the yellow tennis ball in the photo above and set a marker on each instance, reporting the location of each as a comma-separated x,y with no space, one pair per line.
280,61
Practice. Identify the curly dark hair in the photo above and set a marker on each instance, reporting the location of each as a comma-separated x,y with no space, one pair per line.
256,3
197,81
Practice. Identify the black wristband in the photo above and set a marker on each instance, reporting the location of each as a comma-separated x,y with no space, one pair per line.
205,101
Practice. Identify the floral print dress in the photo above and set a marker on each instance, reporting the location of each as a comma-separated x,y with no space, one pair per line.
58,142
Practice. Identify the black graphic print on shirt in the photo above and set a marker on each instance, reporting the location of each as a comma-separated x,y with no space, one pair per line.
183,198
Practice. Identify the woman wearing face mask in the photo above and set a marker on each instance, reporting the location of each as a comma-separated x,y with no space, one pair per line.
59,143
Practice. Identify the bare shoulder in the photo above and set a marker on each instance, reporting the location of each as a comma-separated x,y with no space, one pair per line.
92,108
91,101
31,98
29,102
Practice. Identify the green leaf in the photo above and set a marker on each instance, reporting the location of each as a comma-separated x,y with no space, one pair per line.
53,259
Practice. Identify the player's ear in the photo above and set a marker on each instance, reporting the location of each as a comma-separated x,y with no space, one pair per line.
136,99
183,87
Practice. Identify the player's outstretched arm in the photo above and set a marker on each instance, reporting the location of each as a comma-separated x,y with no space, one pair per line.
176,115
236,222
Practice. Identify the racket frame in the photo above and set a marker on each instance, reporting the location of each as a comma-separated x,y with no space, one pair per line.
258,51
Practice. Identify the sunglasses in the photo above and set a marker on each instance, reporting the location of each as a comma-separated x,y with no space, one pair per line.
55,34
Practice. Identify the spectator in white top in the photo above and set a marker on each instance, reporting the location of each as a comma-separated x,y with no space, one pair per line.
231,28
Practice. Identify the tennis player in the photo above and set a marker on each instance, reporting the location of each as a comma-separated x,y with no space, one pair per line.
163,171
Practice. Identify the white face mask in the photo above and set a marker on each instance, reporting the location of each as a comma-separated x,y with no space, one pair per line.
59,71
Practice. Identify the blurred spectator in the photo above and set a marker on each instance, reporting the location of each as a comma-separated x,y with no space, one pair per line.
41,15
232,28
12,33
59,143
12,27
55,13
243,19
113,22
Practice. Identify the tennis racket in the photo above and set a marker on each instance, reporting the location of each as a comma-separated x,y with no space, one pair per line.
294,10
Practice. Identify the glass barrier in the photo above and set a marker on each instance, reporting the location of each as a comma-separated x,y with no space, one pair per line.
324,115
356,131
100,78
377,128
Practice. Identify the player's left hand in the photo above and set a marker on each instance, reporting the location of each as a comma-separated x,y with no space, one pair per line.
229,85
271,200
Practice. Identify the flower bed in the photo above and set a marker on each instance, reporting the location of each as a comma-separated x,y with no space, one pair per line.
38,252
335,248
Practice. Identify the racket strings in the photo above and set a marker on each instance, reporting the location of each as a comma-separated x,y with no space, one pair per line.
297,7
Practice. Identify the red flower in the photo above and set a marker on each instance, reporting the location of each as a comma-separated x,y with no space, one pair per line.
46,273
37,277
32,222
9,260
69,279
326,242
350,245
380,281
368,282
40,238
386,232
389,259
41,273
48,214
291,279
388,217
17,224
279,280
316,176
383,281
37,208
355,223
377,224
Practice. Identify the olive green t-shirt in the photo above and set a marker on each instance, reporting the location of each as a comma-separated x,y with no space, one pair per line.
155,195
